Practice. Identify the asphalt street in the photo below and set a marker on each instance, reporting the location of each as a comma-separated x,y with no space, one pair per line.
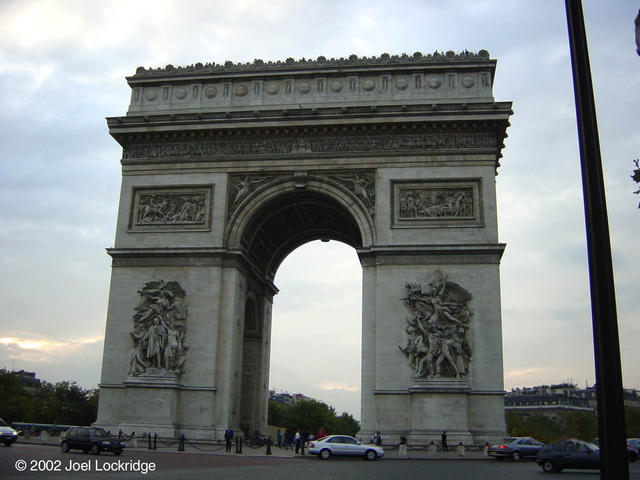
41,461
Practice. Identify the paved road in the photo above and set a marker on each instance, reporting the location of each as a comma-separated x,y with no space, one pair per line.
194,466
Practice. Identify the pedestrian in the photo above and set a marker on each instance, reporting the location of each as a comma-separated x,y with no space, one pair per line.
444,441
279,438
377,439
228,436
298,440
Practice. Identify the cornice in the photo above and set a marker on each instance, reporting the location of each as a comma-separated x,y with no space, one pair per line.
359,113
353,61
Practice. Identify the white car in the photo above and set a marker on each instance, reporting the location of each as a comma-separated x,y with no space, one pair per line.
343,445
8,434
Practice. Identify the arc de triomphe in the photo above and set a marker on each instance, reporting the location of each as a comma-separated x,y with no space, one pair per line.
226,169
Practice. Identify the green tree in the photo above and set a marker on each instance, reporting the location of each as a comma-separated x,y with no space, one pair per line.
345,424
582,425
65,403
632,420
15,402
309,416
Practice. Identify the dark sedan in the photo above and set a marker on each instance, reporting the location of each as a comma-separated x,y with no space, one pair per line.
516,448
568,453
90,440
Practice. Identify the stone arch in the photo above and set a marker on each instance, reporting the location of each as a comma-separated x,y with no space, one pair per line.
327,210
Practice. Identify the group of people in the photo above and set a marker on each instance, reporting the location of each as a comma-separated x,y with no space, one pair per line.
299,440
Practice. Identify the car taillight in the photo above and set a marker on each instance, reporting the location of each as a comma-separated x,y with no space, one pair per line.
502,446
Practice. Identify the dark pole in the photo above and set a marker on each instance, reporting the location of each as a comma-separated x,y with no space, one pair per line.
613,447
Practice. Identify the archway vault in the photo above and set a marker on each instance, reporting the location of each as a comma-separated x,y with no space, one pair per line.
286,213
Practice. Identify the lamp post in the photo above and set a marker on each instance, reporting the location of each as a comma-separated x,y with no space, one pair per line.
611,426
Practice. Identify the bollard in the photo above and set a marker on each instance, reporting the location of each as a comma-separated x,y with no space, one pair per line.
240,445
237,450
402,450
155,441
431,450
302,447
268,452
181,444
149,435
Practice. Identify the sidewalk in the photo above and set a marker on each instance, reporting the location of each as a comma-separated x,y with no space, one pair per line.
390,453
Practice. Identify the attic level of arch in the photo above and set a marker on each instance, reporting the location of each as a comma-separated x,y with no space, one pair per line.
119,127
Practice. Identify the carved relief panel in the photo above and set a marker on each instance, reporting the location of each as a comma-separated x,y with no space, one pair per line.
437,203
171,209
438,342
159,330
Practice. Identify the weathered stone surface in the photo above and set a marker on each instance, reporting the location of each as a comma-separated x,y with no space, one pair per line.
229,168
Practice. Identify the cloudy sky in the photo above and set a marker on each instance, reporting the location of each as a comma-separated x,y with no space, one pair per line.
62,69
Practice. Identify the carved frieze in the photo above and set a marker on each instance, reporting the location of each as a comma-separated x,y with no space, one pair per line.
437,203
314,145
362,184
171,208
240,186
438,342
359,182
159,331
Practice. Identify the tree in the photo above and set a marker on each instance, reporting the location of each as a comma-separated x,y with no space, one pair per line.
309,416
63,403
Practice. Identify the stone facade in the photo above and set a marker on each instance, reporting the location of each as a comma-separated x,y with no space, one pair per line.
229,168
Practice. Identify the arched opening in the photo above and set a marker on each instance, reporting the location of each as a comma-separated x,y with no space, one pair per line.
274,230
316,332
291,220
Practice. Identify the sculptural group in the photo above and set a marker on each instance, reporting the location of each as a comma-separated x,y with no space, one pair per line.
438,343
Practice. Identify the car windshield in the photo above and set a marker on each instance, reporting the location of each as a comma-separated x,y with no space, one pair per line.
3,423
592,447
99,432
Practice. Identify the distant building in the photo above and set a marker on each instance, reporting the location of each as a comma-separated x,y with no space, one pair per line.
287,398
28,380
554,401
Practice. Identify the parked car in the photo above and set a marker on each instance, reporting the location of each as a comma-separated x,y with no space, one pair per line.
344,445
8,434
633,444
568,453
516,448
633,448
90,440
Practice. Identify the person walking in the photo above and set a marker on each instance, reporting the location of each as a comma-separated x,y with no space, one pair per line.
228,436
298,440
444,441
377,439
279,438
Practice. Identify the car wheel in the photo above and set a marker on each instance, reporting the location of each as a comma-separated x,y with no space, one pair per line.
7,444
117,452
64,446
515,456
548,466
370,455
499,459
325,454
95,449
